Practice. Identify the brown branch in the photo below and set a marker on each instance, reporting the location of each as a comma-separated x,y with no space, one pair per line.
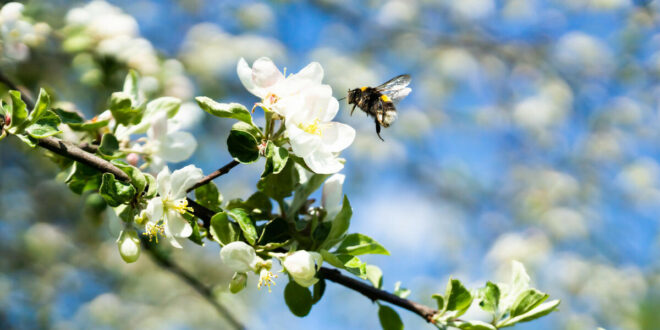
374,294
221,171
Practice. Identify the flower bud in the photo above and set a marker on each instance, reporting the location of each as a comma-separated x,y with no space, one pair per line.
239,257
129,245
238,282
332,196
132,158
302,266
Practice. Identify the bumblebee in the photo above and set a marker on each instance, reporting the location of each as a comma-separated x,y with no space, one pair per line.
378,102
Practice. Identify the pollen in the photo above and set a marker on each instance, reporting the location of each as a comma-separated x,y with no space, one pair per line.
385,98
271,98
312,128
266,279
153,230
363,88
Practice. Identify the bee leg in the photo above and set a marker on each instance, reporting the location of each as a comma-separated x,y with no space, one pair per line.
378,130
354,105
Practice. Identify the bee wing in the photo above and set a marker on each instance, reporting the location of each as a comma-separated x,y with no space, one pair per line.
396,83
397,95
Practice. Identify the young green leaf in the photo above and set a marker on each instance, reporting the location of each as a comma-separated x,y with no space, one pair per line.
389,318
121,107
17,111
225,110
209,196
340,224
359,244
109,144
276,158
375,276
69,117
138,179
169,105
540,310
274,231
44,126
131,86
196,235
303,191
458,297
489,297
115,192
83,178
40,107
402,292
280,186
440,300
298,298
475,325
245,222
223,230
526,301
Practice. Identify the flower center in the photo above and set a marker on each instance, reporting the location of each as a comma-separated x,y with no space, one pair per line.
266,278
180,205
271,99
153,230
312,128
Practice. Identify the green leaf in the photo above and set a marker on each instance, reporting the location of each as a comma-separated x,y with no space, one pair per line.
242,146
402,292
245,222
69,117
440,300
169,105
526,301
209,196
196,235
359,244
138,179
303,191
109,144
274,231
121,106
458,297
83,178
280,186
17,111
44,126
375,276
32,142
476,325
40,107
150,189
223,230
489,297
318,290
276,158
298,298
340,224
225,110
258,205
389,318
353,264
131,86
115,192
541,310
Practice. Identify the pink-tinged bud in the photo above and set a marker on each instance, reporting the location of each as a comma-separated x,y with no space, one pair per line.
7,120
132,158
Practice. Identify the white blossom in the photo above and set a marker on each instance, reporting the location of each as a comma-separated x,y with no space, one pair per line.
302,267
239,257
312,134
165,145
165,212
17,33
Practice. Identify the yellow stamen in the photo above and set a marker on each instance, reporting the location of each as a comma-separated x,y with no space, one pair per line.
312,128
153,230
180,206
271,98
266,278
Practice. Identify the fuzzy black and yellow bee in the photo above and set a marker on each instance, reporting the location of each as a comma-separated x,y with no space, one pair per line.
378,102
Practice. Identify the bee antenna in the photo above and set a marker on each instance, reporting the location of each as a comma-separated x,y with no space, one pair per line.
342,98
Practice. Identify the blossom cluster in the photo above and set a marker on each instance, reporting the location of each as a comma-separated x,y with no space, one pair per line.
18,33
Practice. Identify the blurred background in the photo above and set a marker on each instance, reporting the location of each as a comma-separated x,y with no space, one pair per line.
532,133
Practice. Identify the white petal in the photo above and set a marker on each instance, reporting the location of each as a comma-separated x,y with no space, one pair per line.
323,162
331,110
265,74
245,75
158,129
332,196
289,106
172,239
183,179
177,147
238,256
337,136
164,182
302,142
155,209
179,227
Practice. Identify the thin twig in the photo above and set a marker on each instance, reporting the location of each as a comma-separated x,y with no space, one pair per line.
24,94
221,171
374,294
167,264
